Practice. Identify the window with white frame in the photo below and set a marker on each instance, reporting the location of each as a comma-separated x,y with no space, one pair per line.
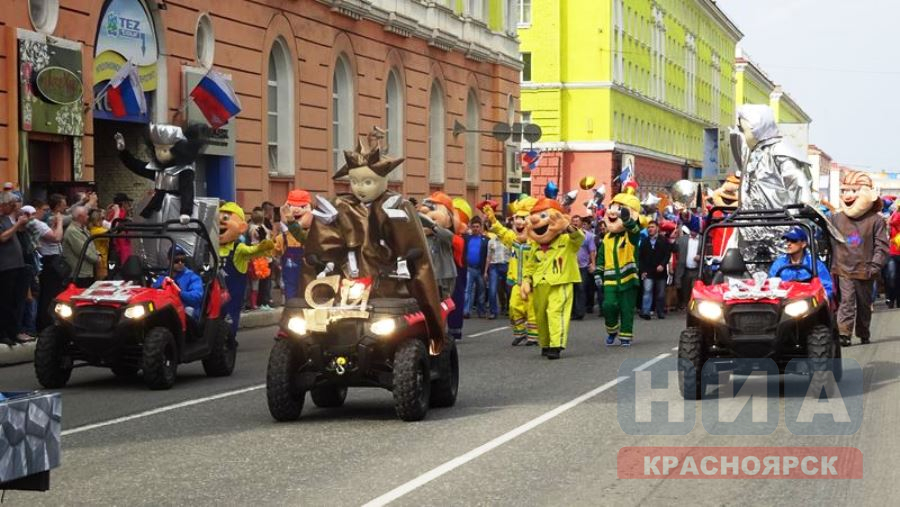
716,88
524,12
690,74
473,146
394,108
436,135
342,127
526,68
280,111
511,15
618,49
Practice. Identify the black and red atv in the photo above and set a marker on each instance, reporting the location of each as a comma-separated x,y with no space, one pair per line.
125,324
737,311
337,336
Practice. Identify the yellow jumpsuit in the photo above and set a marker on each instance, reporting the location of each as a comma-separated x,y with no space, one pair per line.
552,272
521,312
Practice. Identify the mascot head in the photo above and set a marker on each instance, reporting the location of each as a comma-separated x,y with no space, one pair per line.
858,194
757,123
171,146
546,221
439,208
521,210
612,217
367,169
726,196
301,205
232,223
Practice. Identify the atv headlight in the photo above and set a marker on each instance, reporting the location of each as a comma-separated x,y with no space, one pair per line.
297,325
135,312
63,310
709,310
383,327
797,308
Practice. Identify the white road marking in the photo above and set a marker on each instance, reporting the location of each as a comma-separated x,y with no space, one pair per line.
652,362
489,331
161,410
675,348
457,462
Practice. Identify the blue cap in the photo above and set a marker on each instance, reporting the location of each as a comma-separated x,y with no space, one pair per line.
796,234
177,250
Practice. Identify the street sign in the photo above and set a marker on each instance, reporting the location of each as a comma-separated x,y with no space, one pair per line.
532,132
501,131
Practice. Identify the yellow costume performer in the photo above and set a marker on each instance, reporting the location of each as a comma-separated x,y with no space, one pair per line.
521,311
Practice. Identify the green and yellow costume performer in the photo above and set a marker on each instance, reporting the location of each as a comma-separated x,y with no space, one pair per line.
551,272
521,311
617,269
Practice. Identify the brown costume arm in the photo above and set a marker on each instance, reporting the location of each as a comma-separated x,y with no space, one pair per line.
882,245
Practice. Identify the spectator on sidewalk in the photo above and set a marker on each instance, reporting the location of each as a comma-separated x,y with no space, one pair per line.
29,242
498,258
76,235
260,276
653,257
53,271
121,248
12,268
476,248
587,254
96,228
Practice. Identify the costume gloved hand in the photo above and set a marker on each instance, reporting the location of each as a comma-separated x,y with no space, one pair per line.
120,141
598,280
624,214
184,219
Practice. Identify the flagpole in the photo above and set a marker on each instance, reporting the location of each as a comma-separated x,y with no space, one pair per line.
105,89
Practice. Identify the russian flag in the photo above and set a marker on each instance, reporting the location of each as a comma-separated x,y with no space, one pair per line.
124,93
216,99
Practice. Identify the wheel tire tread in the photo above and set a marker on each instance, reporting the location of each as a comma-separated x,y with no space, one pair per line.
284,404
690,347
48,356
411,400
156,375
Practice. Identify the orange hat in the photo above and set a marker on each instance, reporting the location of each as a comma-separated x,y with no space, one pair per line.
298,198
544,204
442,199
733,179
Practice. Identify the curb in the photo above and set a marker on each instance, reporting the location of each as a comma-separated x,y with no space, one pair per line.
260,318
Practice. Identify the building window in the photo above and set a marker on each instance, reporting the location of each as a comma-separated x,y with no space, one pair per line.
473,148
206,41
436,135
44,14
341,111
690,74
526,67
394,108
280,111
524,12
511,15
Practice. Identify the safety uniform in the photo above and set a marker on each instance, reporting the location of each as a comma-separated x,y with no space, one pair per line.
552,270
521,311
617,268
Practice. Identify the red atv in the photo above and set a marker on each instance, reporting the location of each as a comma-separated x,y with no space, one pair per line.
125,324
738,312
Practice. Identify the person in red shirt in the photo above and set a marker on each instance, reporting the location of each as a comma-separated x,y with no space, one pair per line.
892,283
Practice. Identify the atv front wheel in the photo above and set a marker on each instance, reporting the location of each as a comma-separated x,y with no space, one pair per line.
329,396
284,397
223,352
445,388
690,347
412,383
50,362
160,363
824,355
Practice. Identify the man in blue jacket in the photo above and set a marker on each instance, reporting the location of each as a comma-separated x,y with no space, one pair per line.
796,264
190,283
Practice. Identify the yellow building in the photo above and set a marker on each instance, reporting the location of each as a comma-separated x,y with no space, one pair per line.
619,82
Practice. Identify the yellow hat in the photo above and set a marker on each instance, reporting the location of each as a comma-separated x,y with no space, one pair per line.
462,207
232,207
522,207
629,200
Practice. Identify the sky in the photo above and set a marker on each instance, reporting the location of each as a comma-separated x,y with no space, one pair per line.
836,59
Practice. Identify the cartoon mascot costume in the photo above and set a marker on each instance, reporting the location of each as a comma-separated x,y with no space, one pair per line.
617,270
551,272
521,311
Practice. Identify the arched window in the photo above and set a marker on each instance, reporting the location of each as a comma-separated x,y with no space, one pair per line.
393,115
436,135
473,147
280,111
341,111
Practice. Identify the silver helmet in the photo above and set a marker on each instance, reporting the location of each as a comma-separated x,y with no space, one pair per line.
165,134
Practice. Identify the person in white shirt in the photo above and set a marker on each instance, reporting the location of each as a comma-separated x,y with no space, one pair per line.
688,267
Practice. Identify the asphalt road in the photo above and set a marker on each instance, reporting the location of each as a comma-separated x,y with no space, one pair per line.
498,446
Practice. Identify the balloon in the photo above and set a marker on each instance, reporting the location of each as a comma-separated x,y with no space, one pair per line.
684,192
551,190
587,182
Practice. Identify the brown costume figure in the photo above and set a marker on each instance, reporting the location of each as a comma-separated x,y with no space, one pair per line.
368,232
858,261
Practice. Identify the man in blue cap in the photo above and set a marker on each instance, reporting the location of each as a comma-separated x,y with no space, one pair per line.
796,264
189,283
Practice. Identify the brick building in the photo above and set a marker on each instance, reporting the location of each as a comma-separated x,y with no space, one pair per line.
310,75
